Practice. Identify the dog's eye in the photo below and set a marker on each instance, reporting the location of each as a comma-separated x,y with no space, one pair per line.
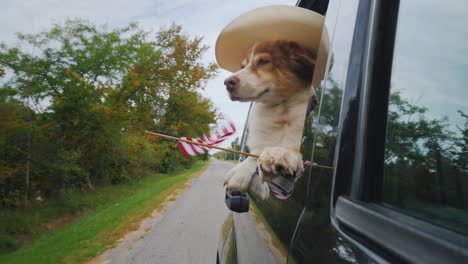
263,61
242,66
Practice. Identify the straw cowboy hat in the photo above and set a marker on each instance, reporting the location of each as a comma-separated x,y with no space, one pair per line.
268,23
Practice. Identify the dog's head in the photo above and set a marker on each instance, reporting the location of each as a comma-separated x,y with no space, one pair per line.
272,71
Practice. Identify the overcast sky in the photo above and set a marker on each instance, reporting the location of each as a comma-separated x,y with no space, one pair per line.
199,18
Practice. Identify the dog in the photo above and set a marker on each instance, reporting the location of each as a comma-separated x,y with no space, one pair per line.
277,76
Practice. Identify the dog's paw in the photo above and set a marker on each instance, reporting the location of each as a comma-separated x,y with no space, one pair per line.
278,161
238,179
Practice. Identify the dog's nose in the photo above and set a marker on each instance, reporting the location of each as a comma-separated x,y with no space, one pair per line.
231,83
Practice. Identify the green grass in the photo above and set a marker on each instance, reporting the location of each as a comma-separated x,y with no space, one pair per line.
116,210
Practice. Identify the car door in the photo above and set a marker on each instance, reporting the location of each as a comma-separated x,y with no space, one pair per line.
401,191
397,192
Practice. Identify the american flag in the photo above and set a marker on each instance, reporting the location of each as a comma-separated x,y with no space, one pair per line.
215,137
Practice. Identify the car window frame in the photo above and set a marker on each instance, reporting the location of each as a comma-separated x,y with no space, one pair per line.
384,234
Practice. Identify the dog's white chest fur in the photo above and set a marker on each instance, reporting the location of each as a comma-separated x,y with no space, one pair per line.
279,125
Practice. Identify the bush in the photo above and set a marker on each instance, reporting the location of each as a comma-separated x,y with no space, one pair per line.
7,245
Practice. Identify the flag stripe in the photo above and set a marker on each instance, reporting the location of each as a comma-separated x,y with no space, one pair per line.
215,137
233,128
185,147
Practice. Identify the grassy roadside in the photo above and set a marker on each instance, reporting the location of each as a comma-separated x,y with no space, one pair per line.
97,231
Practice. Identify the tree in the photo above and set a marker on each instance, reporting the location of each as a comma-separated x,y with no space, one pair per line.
90,93
225,155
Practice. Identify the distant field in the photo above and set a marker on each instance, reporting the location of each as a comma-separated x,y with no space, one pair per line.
115,211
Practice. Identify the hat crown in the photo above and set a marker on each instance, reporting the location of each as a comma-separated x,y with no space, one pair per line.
267,23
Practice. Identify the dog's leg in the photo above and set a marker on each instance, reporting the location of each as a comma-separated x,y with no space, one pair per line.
279,161
258,189
238,178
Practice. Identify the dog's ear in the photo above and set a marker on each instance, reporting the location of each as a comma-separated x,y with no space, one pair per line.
303,64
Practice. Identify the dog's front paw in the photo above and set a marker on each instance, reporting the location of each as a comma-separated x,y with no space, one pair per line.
238,179
278,161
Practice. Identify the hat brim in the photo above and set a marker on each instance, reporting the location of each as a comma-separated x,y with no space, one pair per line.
267,23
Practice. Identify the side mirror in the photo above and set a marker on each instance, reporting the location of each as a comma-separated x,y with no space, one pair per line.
237,201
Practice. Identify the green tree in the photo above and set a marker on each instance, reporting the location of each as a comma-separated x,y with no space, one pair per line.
85,96
225,155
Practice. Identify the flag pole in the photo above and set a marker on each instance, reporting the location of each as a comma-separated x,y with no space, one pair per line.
307,163
200,144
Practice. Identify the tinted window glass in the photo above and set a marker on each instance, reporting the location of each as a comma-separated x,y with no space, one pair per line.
426,172
315,240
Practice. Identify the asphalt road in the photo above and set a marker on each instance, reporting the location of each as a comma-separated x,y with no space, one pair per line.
188,230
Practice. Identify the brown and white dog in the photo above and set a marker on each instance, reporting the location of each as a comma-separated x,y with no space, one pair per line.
277,76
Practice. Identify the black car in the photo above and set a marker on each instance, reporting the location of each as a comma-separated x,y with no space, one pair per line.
392,122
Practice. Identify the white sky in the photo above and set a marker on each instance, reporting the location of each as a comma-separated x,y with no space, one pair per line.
198,18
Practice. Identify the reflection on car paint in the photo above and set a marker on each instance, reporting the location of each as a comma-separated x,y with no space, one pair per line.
227,250
274,244
252,247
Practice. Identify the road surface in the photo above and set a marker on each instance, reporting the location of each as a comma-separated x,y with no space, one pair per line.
188,230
